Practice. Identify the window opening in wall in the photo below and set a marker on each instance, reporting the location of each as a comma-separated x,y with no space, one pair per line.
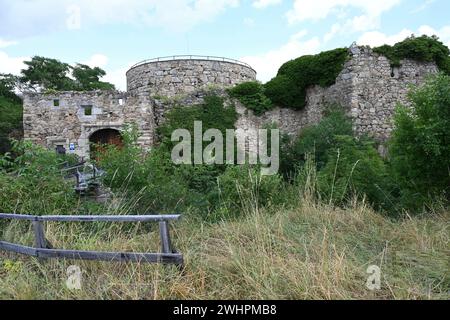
56,103
121,102
60,149
87,110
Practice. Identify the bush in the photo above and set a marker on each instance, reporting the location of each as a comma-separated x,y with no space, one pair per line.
150,178
424,48
10,121
32,183
316,140
420,146
354,168
243,187
288,88
212,113
251,95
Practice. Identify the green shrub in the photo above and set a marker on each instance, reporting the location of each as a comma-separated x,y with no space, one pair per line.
288,88
251,95
32,182
212,113
424,48
241,187
420,146
354,168
316,140
10,121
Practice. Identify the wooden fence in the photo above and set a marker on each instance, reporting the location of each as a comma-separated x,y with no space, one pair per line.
44,250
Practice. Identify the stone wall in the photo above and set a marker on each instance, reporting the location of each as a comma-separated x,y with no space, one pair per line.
65,123
179,77
368,89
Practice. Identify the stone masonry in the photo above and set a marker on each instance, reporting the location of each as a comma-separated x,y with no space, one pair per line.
185,76
368,89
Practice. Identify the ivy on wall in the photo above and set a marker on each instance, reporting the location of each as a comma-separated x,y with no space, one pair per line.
288,88
424,49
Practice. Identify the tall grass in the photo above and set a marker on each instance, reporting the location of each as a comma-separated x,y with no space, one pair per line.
305,250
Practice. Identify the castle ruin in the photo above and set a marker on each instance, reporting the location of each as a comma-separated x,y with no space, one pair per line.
368,88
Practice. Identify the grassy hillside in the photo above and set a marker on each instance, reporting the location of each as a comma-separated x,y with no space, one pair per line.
310,252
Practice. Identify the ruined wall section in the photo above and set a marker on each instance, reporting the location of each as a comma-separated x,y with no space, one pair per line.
378,89
180,77
60,119
368,89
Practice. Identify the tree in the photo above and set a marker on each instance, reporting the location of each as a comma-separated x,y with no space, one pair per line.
10,111
8,83
87,78
51,74
420,146
47,74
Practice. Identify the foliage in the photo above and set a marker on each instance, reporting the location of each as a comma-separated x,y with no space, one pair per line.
317,140
251,95
310,252
420,146
354,168
47,73
288,88
10,112
51,74
8,83
244,186
212,113
32,182
87,78
424,48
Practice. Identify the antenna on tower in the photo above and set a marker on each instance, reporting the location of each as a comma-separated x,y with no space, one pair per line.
188,45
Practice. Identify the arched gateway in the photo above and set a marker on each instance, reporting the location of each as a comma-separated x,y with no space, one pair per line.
101,138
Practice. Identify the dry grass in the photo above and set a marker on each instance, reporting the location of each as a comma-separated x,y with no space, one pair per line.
312,252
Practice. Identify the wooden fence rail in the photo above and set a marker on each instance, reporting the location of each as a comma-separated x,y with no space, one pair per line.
43,250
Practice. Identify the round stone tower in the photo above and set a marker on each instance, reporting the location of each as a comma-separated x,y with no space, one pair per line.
171,76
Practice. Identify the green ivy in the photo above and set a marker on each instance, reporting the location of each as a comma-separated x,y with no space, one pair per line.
424,48
212,113
251,95
288,88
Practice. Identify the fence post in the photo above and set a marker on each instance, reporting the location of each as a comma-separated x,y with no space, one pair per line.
166,246
39,236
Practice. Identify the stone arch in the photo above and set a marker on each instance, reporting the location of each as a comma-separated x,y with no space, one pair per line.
105,136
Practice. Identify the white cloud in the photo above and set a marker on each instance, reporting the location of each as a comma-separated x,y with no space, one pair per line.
443,33
375,38
97,60
249,22
267,64
24,17
118,77
114,76
423,6
11,65
320,9
5,43
259,4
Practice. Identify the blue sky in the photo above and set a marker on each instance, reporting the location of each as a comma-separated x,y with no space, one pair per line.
114,34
